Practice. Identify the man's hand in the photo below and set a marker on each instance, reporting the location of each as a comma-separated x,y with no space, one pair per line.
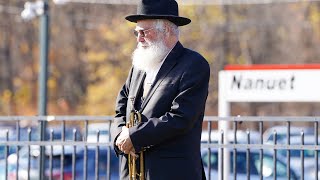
124,142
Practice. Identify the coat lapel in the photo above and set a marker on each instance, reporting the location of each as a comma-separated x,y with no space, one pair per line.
136,86
166,67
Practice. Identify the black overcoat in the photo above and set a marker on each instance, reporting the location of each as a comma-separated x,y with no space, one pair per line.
172,115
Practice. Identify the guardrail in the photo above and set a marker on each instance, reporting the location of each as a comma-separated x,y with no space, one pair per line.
242,152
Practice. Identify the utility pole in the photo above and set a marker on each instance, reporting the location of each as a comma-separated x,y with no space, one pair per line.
31,10
43,77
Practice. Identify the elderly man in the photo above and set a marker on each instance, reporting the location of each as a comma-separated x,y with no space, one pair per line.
168,85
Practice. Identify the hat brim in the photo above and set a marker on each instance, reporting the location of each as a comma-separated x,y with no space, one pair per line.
177,20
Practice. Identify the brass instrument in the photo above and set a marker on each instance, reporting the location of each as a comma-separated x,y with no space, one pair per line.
135,118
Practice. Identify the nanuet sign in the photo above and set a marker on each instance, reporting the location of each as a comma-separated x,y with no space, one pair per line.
270,83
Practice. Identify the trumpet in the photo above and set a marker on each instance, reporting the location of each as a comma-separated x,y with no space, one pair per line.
135,118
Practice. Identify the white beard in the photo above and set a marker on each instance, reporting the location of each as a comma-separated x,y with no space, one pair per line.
150,57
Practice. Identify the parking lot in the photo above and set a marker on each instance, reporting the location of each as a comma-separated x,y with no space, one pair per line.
79,147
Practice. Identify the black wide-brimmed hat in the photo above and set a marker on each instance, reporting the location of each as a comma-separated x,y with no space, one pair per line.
159,9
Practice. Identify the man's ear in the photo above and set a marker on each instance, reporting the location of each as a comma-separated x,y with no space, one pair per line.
167,31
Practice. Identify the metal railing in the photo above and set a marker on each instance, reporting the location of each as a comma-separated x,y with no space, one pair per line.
73,149
78,147
245,153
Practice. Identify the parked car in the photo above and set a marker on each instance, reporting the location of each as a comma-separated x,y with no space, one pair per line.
295,156
55,172
34,152
23,172
12,136
241,163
